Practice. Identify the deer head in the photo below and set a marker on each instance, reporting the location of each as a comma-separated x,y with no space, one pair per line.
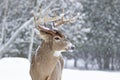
57,41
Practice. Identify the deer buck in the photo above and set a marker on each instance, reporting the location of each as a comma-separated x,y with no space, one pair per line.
47,62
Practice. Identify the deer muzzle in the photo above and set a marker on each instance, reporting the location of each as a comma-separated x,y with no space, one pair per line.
70,47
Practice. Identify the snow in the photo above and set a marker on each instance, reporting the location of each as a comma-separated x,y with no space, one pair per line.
14,69
89,75
18,69
69,63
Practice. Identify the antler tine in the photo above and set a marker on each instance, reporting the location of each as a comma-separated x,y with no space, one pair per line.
34,17
40,20
45,19
63,21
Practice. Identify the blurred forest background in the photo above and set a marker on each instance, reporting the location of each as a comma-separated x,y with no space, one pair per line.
95,33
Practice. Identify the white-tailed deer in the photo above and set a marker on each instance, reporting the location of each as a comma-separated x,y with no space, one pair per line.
47,62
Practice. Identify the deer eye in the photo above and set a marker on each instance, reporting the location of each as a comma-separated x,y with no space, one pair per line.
57,38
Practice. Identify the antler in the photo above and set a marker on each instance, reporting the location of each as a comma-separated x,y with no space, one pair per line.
63,21
57,20
45,19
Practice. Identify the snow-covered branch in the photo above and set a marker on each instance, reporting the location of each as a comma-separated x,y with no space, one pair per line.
14,36
2,49
31,44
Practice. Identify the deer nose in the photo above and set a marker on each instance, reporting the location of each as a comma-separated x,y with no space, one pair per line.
70,46
73,47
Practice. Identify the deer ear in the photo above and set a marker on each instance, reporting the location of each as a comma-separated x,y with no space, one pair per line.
44,35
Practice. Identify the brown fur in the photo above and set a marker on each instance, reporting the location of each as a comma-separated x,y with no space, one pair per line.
44,65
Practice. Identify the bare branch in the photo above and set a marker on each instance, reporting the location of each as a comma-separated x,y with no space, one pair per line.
22,27
15,36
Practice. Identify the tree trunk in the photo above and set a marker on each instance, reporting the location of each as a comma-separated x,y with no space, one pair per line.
31,43
35,2
4,27
106,61
75,63
99,61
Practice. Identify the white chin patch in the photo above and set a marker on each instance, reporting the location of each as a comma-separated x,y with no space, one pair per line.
57,53
70,50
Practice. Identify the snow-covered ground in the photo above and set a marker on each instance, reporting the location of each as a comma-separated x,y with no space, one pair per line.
14,69
18,69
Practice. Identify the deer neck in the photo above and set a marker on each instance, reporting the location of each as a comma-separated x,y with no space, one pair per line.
45,58
45,50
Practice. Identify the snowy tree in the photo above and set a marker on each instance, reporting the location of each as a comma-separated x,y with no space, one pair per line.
95,32
102,18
